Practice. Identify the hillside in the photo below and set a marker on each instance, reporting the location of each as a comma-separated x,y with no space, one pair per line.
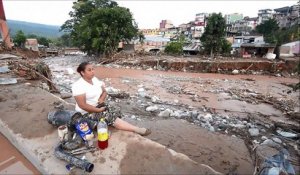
49,31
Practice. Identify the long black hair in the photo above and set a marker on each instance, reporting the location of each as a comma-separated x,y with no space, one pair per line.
82,67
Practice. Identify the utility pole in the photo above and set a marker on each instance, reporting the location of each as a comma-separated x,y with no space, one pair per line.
4,28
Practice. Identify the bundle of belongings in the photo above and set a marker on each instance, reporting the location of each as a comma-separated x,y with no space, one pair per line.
76,135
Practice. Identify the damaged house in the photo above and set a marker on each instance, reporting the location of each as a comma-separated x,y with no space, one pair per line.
251,46
32,44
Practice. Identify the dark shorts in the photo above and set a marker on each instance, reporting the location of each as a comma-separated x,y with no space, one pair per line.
110,114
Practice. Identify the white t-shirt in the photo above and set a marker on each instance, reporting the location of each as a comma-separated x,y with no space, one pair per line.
92,91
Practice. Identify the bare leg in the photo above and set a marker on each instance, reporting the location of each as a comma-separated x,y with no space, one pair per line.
123,125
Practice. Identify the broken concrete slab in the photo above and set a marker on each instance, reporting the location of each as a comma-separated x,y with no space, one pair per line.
7,81
4,69
27,128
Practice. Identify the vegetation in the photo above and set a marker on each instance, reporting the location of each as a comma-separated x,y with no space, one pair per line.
63,41
175,47
41,40
141,37
273,34
97,26
213,37
268,29
19,38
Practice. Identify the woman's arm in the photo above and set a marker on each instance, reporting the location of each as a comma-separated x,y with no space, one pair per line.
103,95
81,101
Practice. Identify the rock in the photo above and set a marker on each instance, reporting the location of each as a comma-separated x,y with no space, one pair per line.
194,114
240,126
253,132
208,117
141,90
165,113
287,134
277,140
270,143
4,69
235,71
154,99
111,90
142,94
255,142
69,71
152,108
65,95
176,101
176,114
264,138
222,126
133,117
270,56
8,81
212,129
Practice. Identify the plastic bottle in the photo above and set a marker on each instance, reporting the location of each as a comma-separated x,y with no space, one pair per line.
102,131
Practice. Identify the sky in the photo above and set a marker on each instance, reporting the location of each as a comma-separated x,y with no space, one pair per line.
147,13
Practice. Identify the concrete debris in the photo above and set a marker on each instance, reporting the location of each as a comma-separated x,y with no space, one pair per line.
7,81
287,134
152,108
253,132
165,113
235,71
4,69
112,90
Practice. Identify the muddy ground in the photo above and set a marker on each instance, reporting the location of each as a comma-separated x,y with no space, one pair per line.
215,119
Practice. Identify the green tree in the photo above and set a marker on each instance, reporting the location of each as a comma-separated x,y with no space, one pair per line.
66,40
174,47
43,41
269,29
226,46
97,26
141,37
32,36
20,38
212,38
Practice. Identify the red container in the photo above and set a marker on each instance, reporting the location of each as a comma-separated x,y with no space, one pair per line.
103,144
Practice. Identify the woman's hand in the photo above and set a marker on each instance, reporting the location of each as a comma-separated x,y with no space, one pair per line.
101,109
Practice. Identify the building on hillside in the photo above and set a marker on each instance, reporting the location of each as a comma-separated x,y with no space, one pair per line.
150,31
172,33
231,18
200,22
264,15
242,27
287,16
281,16
32,44
183,27
294,17
251,45
165,24
238,40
